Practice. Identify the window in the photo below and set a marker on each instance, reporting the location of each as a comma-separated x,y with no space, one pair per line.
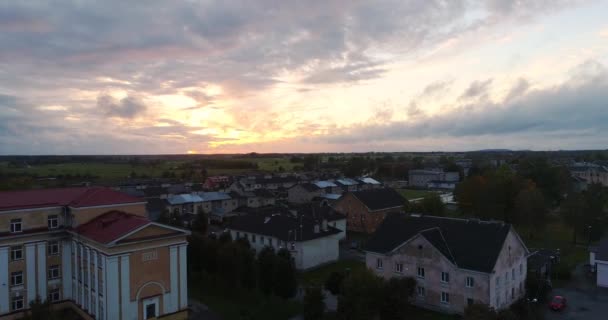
270,242
53,222
151,311
513,274
54,295
445,297
100,310
52,248
512,293
262,240
497,281
399,267
420,272
497,300
445,277
16,253
506,276
421,291
521,269
15,225
238,235
253,238
470,302
17,303
17,278
379,263
54,272
470,282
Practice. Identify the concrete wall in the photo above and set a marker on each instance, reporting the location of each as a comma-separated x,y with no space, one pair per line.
602,273
510,270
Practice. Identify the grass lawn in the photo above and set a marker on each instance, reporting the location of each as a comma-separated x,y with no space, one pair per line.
318,276
412,193
105,171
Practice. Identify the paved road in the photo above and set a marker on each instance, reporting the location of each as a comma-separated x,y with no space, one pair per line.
585,300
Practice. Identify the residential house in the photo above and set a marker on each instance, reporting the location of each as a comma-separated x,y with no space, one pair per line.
321,212
185,204
347,184
598,258
93,250
442,185
311,243
218,205
366,209
456,262
422,178
304,193
367,183
217,183
592,173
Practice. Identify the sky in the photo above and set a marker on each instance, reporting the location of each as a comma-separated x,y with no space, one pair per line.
166,77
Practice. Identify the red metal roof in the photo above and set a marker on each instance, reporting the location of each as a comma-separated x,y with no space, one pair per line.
73,197
111,226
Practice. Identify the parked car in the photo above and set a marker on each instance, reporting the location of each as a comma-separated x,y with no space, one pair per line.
558,303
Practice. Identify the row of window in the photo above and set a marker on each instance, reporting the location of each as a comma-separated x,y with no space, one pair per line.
17,224
17,303
420,273
263,240
445,296
52,249
521,273
53,272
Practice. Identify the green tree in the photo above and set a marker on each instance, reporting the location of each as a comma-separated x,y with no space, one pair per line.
361,296
200,223
285,281
572,211
531,208
333,283
396,298
431,204
314,304
266,270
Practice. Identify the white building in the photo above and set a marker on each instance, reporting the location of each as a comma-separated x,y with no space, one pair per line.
598,258
310,242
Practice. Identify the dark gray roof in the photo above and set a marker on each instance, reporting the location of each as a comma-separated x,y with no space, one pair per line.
378,199
470,244
318,212
283,227
263,193
154,191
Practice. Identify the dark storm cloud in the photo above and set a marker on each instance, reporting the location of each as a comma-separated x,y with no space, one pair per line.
534,114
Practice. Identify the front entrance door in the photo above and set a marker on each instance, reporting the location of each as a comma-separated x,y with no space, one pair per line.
151,308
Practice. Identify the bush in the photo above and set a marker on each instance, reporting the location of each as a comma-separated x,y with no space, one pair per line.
562,271
333,283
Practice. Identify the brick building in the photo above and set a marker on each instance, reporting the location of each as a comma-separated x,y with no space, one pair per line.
366,209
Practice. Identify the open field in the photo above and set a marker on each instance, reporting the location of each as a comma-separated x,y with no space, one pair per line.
271,164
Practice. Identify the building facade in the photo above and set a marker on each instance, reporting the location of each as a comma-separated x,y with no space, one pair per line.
456,262
365,210
91,249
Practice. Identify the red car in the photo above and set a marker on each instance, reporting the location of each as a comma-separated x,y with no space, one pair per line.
558,303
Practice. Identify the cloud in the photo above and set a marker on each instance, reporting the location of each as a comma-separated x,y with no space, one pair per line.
127,107
436,88
535,115
477,89
518,89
